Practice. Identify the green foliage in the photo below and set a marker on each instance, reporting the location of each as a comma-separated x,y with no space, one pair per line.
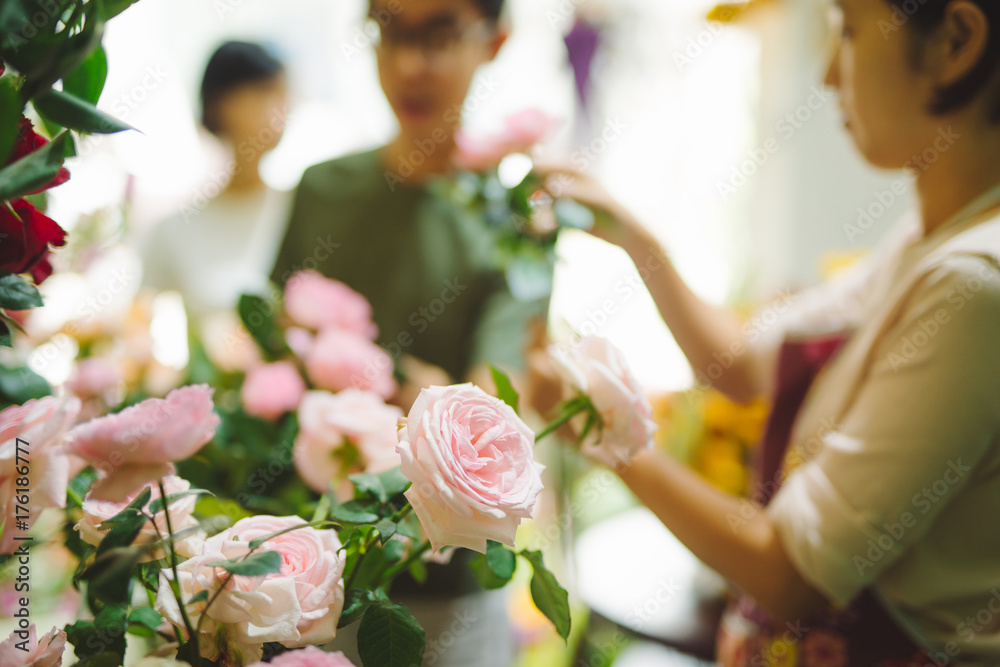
35,169
550,598
389,636
505,390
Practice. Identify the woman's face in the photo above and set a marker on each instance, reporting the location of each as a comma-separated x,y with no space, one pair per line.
883,95
253,116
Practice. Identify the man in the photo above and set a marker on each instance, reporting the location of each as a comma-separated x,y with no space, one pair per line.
371,221
443,309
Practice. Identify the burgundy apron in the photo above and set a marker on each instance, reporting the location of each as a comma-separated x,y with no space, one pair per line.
861,635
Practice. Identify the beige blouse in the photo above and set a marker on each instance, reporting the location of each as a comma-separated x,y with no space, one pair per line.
893,475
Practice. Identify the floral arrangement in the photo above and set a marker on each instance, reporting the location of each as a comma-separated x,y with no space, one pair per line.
523,216
229,536
40,46
717,437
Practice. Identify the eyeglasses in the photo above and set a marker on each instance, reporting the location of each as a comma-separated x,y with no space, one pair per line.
435,44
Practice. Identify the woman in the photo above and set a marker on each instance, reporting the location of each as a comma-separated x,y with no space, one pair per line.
880,544
219,247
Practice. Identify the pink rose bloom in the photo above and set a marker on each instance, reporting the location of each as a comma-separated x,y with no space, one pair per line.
316,302
597,369
299,340
521,132
96,511
94,378
42,426
310,656
138,444
298,606
271,390
471,461
339,360
341,434
44,652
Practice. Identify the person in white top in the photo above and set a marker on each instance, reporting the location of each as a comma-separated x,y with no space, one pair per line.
877,540
215,250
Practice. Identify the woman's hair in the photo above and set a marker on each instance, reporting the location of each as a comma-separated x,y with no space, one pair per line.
234,64
925,16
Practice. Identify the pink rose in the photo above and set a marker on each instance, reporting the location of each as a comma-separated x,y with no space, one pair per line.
271,390
521,132
310,656
94,378
299,340
298,606
137,444
315,302
44,652
471,461
43,471
341,434
96,511
339,359
598,370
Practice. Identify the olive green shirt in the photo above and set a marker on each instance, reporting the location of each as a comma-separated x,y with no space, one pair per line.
425,265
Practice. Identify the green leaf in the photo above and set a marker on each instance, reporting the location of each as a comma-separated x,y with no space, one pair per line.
18,294
200,596
354,512
356,604
87,81
254,565
5,339
257,316
122,533
109,575
20,384
131,510
147,617
501,560
157,503
72,112
550,598
484,574
35,169
389,636
97,641
505,390
113,8
386,529
10,116
383,486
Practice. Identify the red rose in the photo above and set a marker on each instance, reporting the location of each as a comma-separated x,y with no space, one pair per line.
25,235
29,141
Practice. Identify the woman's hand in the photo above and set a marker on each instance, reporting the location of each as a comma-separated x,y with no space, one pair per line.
614,223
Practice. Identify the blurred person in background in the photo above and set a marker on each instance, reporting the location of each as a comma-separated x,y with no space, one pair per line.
871,538
372,221
219,247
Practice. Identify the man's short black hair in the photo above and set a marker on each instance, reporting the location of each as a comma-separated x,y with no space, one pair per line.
491,8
